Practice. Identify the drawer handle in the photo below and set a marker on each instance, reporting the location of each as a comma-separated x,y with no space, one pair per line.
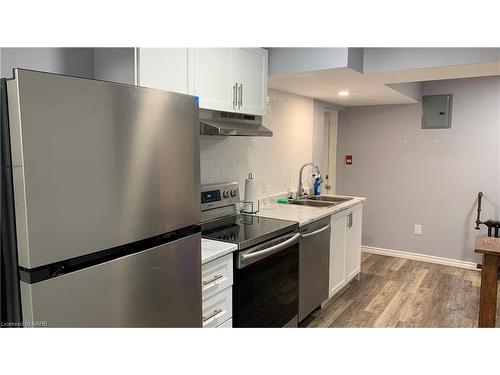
212,315
212,280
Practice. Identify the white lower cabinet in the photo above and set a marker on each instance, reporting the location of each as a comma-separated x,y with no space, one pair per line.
218,308
227,324
217,275
337,255
345,248
217,292
353,243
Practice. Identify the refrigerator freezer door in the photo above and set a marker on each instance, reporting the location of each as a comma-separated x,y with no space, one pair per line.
98,164
159,287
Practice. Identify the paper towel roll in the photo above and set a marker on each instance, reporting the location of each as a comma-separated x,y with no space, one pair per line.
251,195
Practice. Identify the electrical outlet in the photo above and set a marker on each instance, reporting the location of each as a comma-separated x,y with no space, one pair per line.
418,229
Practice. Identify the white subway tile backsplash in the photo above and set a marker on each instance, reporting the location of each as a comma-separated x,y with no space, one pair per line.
274,162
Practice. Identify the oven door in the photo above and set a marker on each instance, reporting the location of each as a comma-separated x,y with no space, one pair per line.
266,284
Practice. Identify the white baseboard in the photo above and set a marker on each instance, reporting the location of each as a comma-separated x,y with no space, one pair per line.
420,257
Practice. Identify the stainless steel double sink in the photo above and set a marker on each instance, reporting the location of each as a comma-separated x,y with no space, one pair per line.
320,201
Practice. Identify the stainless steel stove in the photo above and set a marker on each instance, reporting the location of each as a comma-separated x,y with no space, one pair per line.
266,264
222,222
246,230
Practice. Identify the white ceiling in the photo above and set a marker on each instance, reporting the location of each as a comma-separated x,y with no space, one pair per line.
371,89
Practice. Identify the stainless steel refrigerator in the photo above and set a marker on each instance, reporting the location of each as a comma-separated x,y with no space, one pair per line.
100,204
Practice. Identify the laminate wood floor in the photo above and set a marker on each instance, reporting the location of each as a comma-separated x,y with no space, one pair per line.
396,292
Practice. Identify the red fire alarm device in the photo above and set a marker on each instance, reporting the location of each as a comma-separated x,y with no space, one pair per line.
348,159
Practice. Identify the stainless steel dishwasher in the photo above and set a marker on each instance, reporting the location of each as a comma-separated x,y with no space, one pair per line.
314,265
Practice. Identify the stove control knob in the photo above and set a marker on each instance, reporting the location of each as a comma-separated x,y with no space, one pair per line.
226,194
233,193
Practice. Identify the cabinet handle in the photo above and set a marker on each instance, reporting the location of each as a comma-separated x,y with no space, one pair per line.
235,95
212,314
240,104
212,280
349,220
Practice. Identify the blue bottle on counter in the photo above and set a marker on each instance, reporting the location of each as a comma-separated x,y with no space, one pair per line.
317,184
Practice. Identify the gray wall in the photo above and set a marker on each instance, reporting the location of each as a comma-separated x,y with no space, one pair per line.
114,64
430,177
72,61
393,59
296,60
410,89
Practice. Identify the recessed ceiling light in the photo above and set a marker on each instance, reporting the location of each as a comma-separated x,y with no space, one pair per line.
344,93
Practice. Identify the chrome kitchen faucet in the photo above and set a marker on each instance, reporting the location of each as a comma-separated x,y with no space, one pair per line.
300,187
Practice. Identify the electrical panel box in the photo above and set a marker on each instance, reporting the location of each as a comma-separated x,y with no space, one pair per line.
436,111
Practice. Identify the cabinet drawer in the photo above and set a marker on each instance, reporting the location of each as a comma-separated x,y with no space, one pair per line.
217,275
218,308
227,324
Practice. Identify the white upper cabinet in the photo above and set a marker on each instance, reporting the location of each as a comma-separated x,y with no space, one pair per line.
231,79
163,68
214,78
159,68
251,76
224,79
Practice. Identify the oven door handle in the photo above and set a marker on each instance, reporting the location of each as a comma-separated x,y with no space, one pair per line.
272,249
316,231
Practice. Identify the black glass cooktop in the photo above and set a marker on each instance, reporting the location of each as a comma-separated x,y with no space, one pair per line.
246,230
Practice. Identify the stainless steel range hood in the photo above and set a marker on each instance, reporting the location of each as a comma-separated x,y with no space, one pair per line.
232,124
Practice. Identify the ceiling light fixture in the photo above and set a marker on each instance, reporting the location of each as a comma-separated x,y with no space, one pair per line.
344,93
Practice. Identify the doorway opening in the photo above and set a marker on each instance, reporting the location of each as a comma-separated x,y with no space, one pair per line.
329,161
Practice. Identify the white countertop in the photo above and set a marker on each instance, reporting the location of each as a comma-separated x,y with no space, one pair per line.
304,214
211,249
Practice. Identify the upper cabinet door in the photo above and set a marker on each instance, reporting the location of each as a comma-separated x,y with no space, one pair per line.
163,68
214,78
251,75
225,79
